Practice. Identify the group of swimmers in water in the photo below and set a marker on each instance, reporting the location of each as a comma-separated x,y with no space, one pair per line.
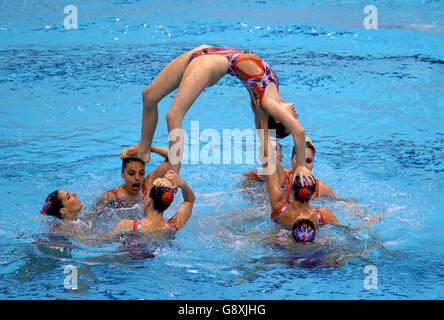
290,190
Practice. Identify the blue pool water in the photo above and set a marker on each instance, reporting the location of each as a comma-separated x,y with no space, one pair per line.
371,100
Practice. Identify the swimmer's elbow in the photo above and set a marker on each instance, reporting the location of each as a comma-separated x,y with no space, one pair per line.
298,131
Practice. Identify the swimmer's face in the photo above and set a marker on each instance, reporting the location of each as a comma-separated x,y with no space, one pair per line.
134,175
309,159
71,205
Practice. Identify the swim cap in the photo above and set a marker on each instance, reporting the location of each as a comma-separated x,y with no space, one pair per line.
52,205
162,197
303,193
167,197
46,206
303,231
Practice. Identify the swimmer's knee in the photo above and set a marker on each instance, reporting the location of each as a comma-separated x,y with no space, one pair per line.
172,118
148,96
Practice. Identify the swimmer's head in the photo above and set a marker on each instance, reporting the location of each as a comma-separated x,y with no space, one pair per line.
310,151
126,161
62,204
133,172
162,194
303,231
281,130
304,192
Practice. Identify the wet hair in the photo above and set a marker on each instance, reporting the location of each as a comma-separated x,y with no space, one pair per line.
52,205
303,193
300,231
281,130
126,161
162,197
307,145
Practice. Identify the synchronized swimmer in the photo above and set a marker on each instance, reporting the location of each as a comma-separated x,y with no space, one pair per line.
135,186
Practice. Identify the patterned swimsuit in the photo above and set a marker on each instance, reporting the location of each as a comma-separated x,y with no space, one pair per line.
255,84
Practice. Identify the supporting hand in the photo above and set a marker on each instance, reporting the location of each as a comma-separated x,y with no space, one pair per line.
175,179
134,152
303,172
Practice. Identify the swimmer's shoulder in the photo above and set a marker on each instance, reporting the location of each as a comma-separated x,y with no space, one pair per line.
125,224
325,190
148,226
111,193
108,195
328,216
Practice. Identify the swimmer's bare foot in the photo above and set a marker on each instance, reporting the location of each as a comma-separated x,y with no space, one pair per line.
133,152
144,156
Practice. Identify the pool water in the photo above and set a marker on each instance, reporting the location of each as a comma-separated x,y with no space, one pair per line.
370,99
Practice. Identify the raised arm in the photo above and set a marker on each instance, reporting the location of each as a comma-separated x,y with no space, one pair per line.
157,173
276,194
162,151
287,116
184,212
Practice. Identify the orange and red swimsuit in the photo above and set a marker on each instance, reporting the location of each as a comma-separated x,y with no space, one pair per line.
255,84
121,201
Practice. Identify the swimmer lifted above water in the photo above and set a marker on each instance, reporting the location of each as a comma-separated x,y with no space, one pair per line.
203,67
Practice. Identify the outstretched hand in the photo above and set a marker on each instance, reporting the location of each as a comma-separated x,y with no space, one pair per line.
134,152
175,179
303,172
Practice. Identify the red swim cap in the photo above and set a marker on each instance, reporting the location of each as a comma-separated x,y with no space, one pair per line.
167,197
304,193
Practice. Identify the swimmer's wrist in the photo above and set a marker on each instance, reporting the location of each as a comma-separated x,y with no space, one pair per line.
300,167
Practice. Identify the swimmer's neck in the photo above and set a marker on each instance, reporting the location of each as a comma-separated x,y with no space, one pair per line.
153,215
301,206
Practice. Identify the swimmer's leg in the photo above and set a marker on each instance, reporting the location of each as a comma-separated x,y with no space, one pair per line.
198,75
165,82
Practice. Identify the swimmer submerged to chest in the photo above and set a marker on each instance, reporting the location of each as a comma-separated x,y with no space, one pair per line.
159,198
296,214
202,67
